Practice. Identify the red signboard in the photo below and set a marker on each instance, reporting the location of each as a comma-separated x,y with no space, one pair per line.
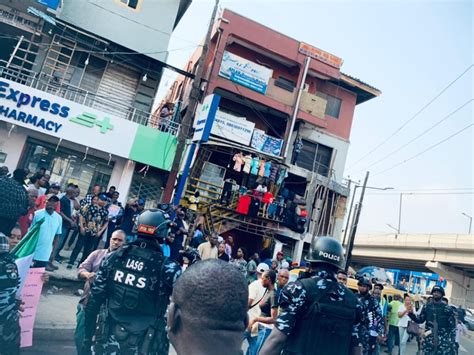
321,55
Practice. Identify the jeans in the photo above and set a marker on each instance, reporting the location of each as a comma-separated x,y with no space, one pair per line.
263,333
90,244
80,330
62,240
252,340
403,335
393,337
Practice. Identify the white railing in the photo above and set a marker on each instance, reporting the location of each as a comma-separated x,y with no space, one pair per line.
52,85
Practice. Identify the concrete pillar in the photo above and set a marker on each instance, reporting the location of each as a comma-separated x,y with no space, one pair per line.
122,177
298,251
459,289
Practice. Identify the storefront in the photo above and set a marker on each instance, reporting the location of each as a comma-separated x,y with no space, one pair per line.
82,145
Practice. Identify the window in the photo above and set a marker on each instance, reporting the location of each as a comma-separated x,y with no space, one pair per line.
333,105
133,4
285,83
314,157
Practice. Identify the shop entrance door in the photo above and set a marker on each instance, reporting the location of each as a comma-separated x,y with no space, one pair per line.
66,166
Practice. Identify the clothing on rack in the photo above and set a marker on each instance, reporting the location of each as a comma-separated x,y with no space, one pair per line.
255,165
247,159
267,197
244,204
254,207
274,172
239,160
282,175
261,168
267,168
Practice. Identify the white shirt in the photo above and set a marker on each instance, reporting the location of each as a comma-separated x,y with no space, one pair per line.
256,292
403,321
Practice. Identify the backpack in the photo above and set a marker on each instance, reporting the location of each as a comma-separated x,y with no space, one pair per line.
326,326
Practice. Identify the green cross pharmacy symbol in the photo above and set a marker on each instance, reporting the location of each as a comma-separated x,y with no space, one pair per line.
90,120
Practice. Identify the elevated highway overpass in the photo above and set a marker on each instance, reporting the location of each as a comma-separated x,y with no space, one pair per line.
449,255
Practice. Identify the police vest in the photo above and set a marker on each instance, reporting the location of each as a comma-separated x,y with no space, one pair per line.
439,313
326,325
135,281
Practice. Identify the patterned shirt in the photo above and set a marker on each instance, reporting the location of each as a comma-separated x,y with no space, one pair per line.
9,311
373,324
293,303
95,217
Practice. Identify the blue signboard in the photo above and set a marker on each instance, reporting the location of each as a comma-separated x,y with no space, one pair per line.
52,4
245,72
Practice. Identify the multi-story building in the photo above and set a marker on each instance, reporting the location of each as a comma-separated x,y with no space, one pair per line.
77,85
275,109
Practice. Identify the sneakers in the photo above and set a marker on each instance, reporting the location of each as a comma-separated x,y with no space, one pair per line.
69,266
50,268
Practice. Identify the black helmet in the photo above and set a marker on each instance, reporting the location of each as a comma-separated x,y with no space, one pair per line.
437,288
364,281
154,223
326,250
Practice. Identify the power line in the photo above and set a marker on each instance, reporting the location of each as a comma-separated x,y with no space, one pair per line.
424,151
415,115
139,23
417,137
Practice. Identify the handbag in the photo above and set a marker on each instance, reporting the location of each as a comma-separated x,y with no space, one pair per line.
413,328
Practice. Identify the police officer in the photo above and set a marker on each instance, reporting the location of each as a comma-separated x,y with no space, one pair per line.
9,305
318,315
135,282
440,328
372,328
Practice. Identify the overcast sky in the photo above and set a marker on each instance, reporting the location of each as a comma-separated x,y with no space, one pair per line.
410,50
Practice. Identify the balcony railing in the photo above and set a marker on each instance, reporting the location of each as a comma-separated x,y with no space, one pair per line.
52,85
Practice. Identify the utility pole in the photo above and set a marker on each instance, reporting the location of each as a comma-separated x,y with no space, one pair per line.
355,223
186,124
470,221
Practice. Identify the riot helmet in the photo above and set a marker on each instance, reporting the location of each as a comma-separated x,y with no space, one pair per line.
364,281
327,250
437,288
154,223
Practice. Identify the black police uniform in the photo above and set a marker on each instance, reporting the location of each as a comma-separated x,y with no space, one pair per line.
9,306
319,315
137,282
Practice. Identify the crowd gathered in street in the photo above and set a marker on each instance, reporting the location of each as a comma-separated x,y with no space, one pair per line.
155,276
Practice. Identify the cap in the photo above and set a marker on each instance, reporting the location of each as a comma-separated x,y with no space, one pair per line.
103,197
55,185
4,245
262,267
141,202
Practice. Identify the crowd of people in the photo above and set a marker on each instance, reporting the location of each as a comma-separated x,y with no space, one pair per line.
139,265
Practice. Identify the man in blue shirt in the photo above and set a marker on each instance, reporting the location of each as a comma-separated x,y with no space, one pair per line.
51,227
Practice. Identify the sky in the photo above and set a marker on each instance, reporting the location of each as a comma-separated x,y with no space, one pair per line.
411,51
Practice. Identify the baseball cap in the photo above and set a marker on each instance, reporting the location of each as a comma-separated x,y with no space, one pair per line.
262,267
103,197
141,202
55,185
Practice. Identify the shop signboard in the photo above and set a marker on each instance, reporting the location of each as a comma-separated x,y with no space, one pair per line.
245,72
320,55
205,114
233,128
265,143
67,120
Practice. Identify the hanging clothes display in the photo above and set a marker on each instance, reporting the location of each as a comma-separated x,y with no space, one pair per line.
274,173
227,191
267,197
282,175
261,168
239,160
254,207
268,168
247,159
255,165
244,204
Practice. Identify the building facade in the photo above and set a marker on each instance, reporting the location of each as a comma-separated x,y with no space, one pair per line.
282,127
77,85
